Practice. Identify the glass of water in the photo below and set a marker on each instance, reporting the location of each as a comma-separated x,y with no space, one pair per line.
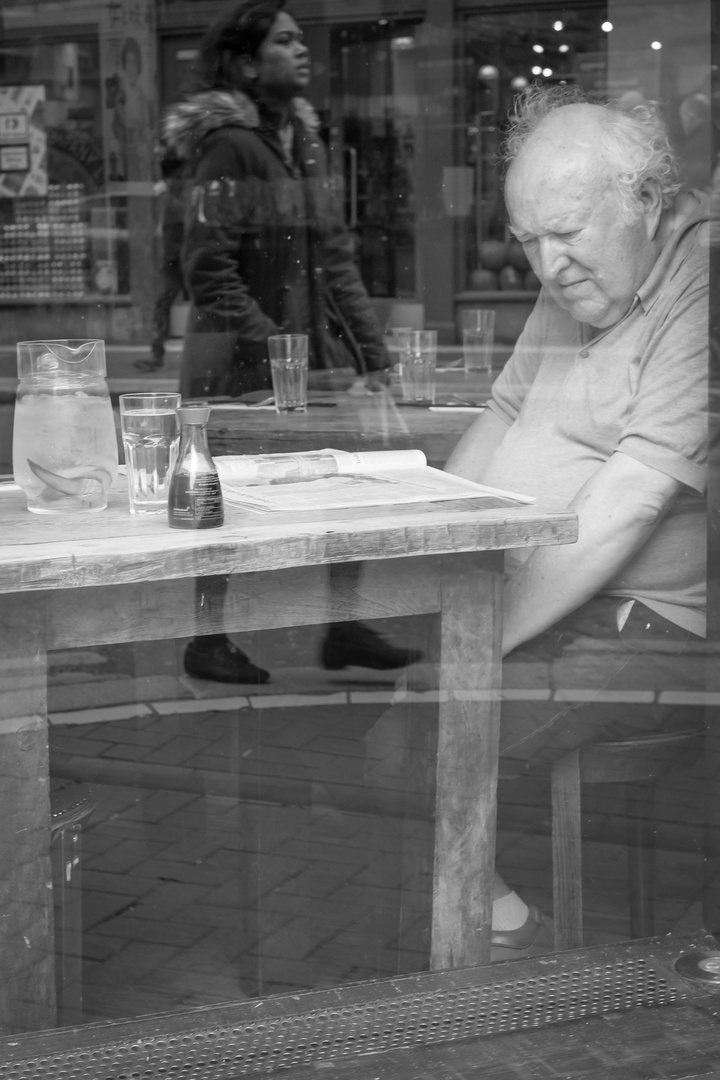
417,366
478,332
398,342
289,369
150,435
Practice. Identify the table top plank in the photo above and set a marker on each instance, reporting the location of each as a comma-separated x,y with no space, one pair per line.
114,547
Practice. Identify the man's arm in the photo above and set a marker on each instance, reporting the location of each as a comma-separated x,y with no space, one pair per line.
472,453
618,509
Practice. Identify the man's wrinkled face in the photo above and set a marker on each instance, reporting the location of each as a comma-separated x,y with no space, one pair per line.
566,211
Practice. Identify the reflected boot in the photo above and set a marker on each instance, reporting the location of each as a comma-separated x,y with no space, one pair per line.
152,364
355,644
157,358
534,938
216,657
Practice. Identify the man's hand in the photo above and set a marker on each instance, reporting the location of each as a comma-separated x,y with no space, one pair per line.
618,509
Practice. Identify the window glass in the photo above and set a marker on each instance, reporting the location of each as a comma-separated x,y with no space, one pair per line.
261,765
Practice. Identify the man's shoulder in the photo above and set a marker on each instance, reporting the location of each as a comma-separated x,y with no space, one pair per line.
688,267
682,269
691,235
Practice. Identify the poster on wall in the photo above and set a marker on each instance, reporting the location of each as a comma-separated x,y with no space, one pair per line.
127,65
23,143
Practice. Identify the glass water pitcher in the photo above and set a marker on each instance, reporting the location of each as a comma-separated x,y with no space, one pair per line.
65,450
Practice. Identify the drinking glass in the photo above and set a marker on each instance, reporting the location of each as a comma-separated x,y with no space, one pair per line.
478,331
417,366
398,342
150,436
289,370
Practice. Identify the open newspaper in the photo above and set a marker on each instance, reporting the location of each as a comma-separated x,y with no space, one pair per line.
337,479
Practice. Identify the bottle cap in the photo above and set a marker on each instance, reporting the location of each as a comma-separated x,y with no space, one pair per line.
193,414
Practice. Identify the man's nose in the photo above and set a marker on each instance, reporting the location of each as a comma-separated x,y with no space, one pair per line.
553,257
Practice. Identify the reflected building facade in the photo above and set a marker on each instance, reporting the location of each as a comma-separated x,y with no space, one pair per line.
232,846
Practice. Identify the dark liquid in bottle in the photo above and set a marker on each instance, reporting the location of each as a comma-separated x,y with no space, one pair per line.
195,502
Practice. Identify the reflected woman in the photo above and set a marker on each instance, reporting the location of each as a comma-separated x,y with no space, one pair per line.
266,251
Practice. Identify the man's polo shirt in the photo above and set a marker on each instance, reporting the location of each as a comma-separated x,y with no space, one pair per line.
638,388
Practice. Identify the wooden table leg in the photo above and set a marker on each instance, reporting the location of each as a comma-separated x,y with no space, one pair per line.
467,759
567,852
27,952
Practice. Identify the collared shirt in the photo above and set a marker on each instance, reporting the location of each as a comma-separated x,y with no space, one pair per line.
640,388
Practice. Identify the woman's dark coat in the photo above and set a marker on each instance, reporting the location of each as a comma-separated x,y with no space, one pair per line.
265,250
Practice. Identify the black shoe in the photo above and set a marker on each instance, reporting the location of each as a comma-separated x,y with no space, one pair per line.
533,938
222,662
355,644
153,364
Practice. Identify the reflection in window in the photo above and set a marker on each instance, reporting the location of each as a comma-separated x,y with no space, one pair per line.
232,845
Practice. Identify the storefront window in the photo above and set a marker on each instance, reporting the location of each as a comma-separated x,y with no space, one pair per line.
77,217
374,107
233,816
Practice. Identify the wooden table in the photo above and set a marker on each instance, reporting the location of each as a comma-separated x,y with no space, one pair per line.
109,577
353,421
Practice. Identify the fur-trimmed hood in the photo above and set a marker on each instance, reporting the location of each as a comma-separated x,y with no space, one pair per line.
190,121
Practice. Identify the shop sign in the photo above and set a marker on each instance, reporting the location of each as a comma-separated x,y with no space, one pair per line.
23,142
128,67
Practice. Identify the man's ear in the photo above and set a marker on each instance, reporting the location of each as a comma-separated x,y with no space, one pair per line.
652,206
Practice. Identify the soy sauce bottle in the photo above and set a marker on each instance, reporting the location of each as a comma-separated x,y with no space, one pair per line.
195,498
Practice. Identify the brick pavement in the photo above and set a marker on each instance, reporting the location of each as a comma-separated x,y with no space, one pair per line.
235,852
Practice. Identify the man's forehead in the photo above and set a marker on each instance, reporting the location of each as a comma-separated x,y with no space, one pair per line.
565,219
558,180
560,208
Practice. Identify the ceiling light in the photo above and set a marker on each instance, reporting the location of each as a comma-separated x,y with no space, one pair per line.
558,25
537,70
564,48
607,27
547,72
519,82
656,45
538,49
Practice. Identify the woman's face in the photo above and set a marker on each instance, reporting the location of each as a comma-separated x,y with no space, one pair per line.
282,64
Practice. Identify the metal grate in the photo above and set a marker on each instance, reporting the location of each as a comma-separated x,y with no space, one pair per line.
263,1036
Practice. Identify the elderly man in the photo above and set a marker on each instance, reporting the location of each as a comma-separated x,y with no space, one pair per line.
602,405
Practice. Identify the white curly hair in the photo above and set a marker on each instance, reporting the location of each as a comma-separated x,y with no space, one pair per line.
634,139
